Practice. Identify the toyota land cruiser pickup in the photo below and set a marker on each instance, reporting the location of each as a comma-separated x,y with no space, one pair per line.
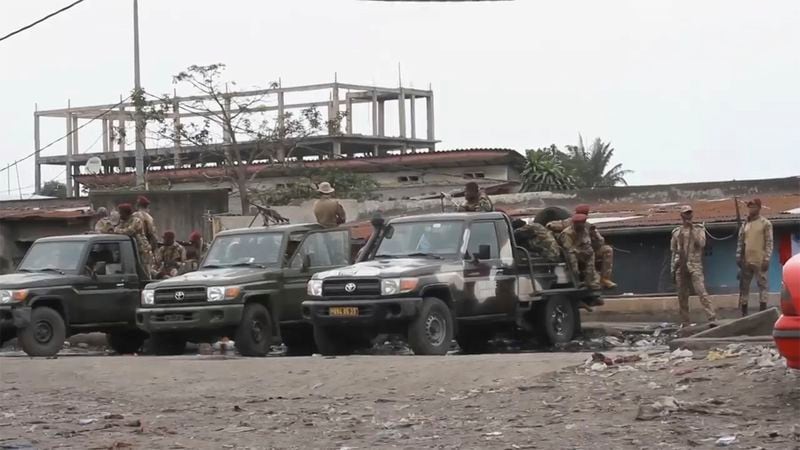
437,277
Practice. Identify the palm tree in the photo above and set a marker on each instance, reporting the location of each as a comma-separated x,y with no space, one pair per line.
545,171
590,167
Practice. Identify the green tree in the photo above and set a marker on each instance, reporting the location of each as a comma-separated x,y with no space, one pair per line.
590,167
347,184
54,189
545,171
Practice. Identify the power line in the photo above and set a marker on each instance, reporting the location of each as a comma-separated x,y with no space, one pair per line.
39,21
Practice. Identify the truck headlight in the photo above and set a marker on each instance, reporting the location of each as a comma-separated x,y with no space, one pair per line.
12,296
393,286
314,288
220,293
148,297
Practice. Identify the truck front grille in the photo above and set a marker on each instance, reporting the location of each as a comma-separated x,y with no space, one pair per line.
174,296
339,288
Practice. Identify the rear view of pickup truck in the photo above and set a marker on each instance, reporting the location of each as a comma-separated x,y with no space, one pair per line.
438,277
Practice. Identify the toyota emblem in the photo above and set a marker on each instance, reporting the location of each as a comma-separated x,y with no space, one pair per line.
350,287
179,295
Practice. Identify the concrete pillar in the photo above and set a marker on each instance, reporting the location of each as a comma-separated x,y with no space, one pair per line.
431,135
381,114
333,111
337,149
413,117
70,142
121,136
349,113
37,174
374,113
281,117
401,106
227,124
104,124
176,131
75,147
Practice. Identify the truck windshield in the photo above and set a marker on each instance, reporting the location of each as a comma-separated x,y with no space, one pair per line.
53,257
422,238
245,249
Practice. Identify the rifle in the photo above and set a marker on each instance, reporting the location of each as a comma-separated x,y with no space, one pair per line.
269,215
738,230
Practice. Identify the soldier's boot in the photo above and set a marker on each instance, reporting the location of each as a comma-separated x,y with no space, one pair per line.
762,306
744,310
607,283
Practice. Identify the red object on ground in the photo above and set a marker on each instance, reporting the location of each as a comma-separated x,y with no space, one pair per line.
787,329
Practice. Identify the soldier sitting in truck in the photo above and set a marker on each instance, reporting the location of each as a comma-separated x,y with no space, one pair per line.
537,239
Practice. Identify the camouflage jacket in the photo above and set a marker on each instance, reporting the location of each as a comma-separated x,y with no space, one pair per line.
687,246
756,241
484,204
149,227
134,227
576,242
538,239
104,226
170,256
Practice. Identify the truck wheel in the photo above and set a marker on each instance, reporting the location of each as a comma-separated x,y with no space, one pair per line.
332,341
45,335
299,342
166,344
126,342
431,332
557,320
254,334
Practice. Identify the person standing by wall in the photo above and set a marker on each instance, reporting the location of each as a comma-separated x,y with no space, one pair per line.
688,244
476,200
328,211
753,254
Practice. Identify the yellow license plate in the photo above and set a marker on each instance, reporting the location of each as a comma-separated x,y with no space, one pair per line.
343,311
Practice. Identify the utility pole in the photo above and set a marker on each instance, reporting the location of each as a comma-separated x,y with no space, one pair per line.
137,89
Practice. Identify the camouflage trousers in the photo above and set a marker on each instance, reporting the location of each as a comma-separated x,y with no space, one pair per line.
583,263
688,279
750,271
604,261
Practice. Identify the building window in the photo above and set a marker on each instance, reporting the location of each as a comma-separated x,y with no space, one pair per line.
408,179
474,175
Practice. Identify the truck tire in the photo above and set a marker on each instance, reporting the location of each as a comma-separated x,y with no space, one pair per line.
332,341
254,334
431,332
126,342
298,342
45,335
557,321
166,344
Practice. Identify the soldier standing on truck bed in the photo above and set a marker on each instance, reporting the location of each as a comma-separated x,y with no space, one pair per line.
103,224
131,225
476,200
688,244
328,211
580,255
143,212
753,254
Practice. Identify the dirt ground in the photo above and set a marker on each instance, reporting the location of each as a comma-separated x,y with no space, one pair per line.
509,401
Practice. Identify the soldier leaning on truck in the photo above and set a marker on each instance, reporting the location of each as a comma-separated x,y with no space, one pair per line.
580,255
753,254
143,213
103,224
603,253
687,245
170,257
131,225
536,238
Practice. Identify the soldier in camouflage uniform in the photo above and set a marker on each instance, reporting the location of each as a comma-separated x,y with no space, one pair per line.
688,244
170,257
580,255
536,238
476,201
603,253
143,212
753,254
132,225
103,224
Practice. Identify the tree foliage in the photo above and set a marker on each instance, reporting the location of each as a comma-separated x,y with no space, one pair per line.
347,184
54,189
552,169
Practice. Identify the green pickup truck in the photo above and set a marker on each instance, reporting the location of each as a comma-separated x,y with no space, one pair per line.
249,287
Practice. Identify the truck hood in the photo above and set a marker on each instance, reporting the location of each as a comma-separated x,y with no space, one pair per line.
391,268
218,277
29,280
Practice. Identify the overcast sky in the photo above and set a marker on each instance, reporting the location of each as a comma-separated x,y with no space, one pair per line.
685,90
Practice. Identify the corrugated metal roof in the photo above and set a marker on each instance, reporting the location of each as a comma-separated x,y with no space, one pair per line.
45,214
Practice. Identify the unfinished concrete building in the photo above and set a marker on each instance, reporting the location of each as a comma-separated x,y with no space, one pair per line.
366,131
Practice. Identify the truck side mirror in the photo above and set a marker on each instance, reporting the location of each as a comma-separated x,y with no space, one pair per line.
484,252
306,263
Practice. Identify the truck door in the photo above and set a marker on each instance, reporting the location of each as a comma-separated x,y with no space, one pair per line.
101,293
319,251
488,284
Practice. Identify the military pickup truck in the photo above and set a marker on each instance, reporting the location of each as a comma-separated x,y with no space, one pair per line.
249,287
437,277
69,285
